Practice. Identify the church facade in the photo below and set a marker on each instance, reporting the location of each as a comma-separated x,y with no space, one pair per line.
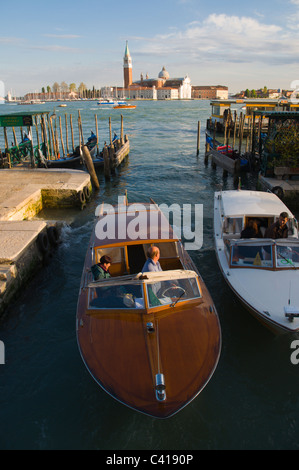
161,88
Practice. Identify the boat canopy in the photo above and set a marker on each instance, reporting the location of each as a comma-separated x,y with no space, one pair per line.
251,203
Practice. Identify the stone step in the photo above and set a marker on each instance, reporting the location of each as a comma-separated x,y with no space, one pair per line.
2,288
7,272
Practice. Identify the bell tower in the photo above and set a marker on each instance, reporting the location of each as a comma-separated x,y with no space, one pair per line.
127,68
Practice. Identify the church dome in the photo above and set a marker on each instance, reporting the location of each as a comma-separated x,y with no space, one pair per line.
163,74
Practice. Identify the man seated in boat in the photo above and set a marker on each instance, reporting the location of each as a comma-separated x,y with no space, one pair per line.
101,269
152,262
280,228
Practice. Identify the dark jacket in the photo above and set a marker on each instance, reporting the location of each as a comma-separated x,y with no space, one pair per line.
275,231
99,272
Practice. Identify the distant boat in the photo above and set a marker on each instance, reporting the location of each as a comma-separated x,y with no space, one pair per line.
62,105
124,106
107,102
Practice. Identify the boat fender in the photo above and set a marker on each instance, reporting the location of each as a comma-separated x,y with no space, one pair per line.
53,235
43,242
87,192
81,196
278,191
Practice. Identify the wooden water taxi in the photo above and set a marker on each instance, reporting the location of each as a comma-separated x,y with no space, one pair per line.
151,340
262,272
124,106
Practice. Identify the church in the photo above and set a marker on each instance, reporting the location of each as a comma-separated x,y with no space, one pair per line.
161,88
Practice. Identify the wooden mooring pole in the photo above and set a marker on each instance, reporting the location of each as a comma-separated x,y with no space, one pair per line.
87,157
90,167
97,133
198,137
106,162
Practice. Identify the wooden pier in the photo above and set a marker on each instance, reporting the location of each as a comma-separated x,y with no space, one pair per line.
46,145
270,146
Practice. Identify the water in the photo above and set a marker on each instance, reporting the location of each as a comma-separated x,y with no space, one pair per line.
48,400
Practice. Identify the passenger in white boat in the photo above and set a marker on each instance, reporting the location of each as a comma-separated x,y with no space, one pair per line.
280,228
251,230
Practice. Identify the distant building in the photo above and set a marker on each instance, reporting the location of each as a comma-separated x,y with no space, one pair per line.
210,92
273,93
161,88
127,68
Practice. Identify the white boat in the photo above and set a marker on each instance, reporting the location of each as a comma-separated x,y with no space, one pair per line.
262,272
107,102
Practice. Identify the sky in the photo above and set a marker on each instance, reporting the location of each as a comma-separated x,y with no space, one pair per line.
234,43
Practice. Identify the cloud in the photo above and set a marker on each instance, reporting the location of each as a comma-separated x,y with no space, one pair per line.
230,39
63,36
10,40
56,48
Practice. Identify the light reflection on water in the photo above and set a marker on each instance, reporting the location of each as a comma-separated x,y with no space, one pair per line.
47,397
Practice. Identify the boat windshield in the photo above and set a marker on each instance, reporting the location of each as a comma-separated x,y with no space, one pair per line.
287,255
260,254
252,254
116,296
170,292
127,292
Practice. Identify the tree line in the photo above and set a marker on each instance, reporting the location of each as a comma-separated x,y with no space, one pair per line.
63,87
262,92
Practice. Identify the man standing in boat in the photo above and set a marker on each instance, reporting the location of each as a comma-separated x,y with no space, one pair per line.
279,229
152,262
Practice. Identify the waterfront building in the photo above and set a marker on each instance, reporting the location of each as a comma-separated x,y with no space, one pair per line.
210,92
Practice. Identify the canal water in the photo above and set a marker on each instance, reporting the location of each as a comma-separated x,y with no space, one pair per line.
48,400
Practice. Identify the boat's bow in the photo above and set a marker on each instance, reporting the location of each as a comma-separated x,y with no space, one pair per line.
154,359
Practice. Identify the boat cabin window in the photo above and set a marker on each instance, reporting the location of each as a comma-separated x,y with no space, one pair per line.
218,110
287,255
126,296
169,292
232,225
117,254
256,255
169,257
262,223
